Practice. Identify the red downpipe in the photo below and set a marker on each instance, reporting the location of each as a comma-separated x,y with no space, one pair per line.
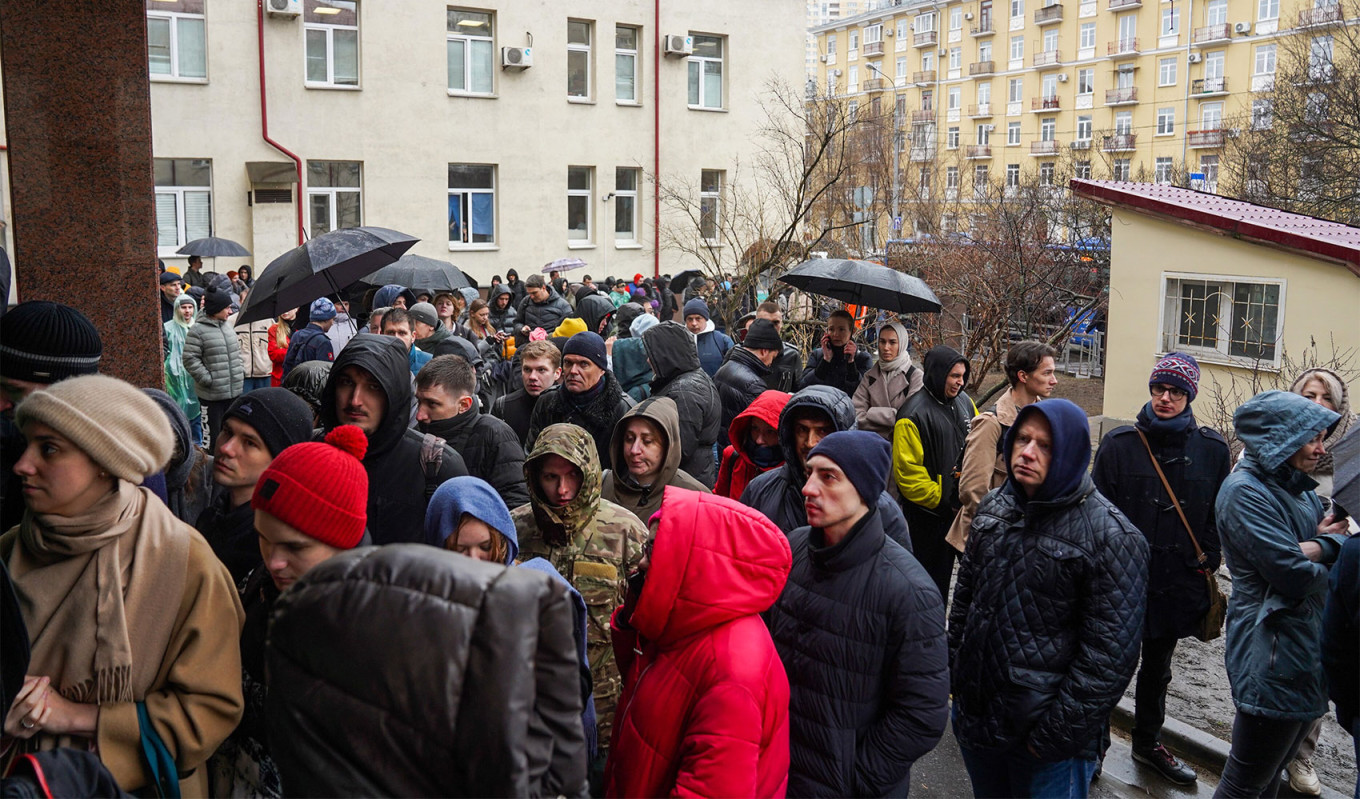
264,120
656,143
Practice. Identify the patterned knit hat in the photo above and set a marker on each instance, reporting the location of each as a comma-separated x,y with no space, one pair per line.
117,426
1178,370
321,490
43,342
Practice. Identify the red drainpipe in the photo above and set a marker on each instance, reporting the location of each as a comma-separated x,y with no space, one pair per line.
264,119
656,155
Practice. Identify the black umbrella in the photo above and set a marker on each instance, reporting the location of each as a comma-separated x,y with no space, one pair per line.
863,283
420,274
212,247
681,282
1346,472
322,266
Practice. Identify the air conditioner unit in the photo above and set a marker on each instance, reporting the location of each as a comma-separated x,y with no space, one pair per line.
283,8
678,45
989,128
517,57
1062,77
1194,58
1242,27
968,15
836,72
824,59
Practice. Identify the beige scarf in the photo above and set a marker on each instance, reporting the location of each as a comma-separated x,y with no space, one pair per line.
100,593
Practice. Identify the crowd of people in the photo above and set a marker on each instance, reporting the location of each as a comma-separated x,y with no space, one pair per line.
569,539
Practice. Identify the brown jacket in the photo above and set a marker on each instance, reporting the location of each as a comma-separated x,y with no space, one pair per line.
984,468
877,400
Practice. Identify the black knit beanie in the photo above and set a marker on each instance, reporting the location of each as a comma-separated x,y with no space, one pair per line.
44,342
865,458
280,417
215,301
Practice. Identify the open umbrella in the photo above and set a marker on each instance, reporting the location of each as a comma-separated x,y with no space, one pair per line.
322,266
863,283
420,274
212,247
1346,472
563,264
681,282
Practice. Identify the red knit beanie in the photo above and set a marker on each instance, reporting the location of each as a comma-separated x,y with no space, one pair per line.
321,490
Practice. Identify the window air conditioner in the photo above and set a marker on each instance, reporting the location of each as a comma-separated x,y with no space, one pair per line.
1062,77
968,15
284,8
678,45
517,57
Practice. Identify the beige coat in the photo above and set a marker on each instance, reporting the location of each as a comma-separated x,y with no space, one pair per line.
983,467
255,347
877,399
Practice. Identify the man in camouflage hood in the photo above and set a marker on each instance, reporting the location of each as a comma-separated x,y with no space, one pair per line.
591,541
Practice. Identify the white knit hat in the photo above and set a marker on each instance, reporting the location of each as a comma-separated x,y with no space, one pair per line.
118,426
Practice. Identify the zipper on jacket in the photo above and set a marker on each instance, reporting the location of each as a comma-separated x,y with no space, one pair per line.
1274,639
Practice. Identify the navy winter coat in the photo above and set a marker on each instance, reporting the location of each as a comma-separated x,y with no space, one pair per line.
308,344
713,345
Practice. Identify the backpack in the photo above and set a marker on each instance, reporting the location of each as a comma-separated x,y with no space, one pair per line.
431,459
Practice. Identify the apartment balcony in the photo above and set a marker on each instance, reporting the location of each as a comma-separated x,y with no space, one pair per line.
982,68
924,76
983,28
1319,16
1211,34
1040,104
926,39
921,154
1204,139
1127,95
980,110
871,48
1120,142
1123,47
922,115
1042,148
874,85
1080,144
1049,14
975,151
1050,58
1208,87
1125,5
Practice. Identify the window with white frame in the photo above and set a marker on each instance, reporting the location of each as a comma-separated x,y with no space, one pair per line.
1015,90
903,30
1267,9
984,135
470,51
1048,86
1087,36
923,185
1161,172
1046,173
852,110
951,141
333,196
1082,169
953,98
1017,48
902,69
580,191
579,35
956,58
1262,114
1166,121
831,46
626,205
1050,40
1119,170
706,70
1216,12
980,180
1012,134
1320,58
925,23
1086,80
1123,123
472,205
175,40
1208,166
1048,129
183,202
1265,59
1211,116
1171,20
1084,128
956,18
1223,317
853,51
985,50
1017,8
1012,176
1166,71
984,94
873,34
951,178
852,79
625,64
710,204
331,28
927,60
1213,65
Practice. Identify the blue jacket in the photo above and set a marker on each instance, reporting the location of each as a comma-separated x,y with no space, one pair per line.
308,344
713,346
1265,509
419,358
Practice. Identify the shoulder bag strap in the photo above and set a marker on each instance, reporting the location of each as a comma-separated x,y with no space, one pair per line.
1176,503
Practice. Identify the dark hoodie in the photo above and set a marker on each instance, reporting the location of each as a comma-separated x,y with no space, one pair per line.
620,488
503,319
398,487
387,295
678,375
596,310
778,493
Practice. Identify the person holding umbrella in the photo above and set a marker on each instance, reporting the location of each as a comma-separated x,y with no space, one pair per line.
311,343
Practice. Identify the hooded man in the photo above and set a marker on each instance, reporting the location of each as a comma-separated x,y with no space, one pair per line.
592,542
589,397
311,343
743,377
595,310
838,362
677,374
370,387
712,343
928,438
863,707
503,313
809,416
541,307
446,397
645,453
1047,614
1130,464
755,444
394,296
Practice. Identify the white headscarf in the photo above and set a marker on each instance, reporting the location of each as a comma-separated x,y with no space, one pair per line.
903,359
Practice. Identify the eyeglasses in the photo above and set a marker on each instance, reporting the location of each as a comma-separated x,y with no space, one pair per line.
1158,389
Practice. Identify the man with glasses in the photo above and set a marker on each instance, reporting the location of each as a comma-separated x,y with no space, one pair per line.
589,396
1194,461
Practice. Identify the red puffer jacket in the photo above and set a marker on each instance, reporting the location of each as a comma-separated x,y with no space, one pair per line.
705,705
737,467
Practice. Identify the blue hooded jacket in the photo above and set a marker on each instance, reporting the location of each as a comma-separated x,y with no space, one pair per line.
387,295
1071,452
475,497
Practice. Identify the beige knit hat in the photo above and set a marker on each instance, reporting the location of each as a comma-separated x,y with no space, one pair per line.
118,426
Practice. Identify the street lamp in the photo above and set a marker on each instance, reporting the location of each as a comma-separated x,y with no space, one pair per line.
897,132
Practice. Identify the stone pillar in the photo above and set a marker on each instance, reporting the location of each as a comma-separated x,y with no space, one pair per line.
78,127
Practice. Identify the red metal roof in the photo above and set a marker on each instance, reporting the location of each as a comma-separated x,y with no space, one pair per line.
1237,218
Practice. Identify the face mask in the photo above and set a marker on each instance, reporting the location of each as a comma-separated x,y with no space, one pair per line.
764,457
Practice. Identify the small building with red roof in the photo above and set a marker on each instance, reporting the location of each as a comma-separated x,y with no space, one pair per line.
1242,287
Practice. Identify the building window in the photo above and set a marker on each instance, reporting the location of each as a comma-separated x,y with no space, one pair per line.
1216,13
1119,170
1051,40
333,199
1012,176
472,204
1082,169
1084,128
1017,48
1017,8
1046,174
956,18
984,135
1265,59
928,60
1211,116
1268,9
175,44
1088,35
1123,123
1166,72
625,64
1162,171
471,52
953,99
1012,134
710,204
980,181
1015,90
951,178
578,59
625,205
851,80
956,58
830,46
332,31
902,70
853,52
1048,129
706,72
1220,316
580,184
984,94
873,34
1166,121
1320,58
951,141
903,32
1208,166
1262,114
183,202
1171,20
1086,81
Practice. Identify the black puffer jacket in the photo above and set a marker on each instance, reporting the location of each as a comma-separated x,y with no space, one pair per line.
786,371
503,320
597,415
490,449
547,315
346,718
596,311
842,371
778,493
1047,617
516,409
1196,461
398,487
739,381
675,364
864,706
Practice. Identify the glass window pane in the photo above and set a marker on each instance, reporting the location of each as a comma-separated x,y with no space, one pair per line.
713,84
624,78
578,32
347,209
708,46
317,174
320,205
483,218
457,231
625,180
623,218
694,82
457,65
191,172
625,38
578,80
197,215
710,180
331,12
158,45
481,66
469,23
346,57
469,176
316,56
193,62
708,217
578,178
167,223
578,218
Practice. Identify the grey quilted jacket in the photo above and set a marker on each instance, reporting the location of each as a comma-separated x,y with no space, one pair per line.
212,356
